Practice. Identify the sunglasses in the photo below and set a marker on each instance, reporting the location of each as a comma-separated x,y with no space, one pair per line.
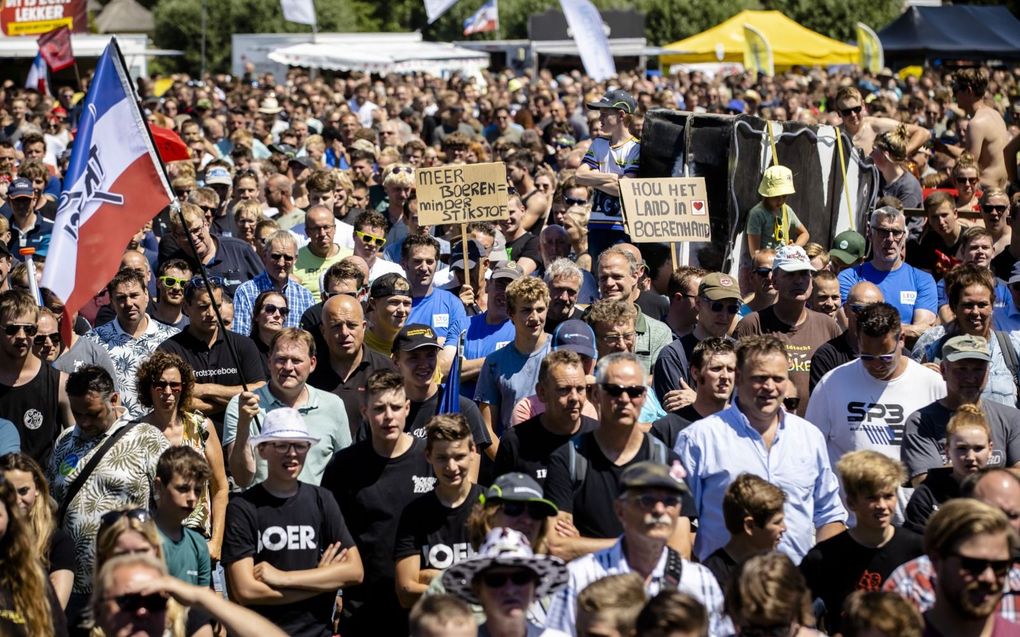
12,329
173,282
719,306
269,308
396,170
499,580
990,208
573,201
619,390
42,339
966,180
855,110
285,447
648,501
534,510
762,272
975,566
370,239
172,385
276,256
791,403
884,358
131,603
111,517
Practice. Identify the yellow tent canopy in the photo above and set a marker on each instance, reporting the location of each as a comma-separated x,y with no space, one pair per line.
792,44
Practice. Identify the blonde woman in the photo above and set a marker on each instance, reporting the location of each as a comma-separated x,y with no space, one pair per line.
965,180
51,542
575,221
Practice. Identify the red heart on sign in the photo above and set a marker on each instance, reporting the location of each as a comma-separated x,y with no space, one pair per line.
699,207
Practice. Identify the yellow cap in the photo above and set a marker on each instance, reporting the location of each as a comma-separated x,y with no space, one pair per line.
777,181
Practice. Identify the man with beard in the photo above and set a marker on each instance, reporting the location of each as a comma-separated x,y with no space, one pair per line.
802,330
648,506
865,404
970,545
490,330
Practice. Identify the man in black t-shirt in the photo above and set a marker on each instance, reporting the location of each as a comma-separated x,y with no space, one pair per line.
284,541
416,355
350,362
432,533
343,277
521,246
374,480
207,349
561,387
583,481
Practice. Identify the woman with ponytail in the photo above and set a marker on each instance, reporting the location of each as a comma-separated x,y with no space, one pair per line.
890,157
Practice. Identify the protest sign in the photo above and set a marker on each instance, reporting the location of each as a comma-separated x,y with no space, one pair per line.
461,193
32,17
666,209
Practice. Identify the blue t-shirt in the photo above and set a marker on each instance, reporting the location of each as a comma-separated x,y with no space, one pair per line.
1002,298
506,377
906,288
10,439
483,339
443,312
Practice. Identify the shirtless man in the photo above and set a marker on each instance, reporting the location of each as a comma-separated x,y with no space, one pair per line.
864,128
986,136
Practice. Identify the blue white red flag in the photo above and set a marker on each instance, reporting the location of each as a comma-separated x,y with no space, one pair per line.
114,184
484,20
38,75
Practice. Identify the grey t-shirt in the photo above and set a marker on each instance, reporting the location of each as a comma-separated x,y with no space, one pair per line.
506,377
924,439
85,352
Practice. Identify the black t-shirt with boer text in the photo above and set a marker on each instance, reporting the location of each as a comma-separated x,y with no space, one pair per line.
372,492
802,341
526,448
436,533
840,565
591,501
290,534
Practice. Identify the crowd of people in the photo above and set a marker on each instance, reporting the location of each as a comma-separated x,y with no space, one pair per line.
297,410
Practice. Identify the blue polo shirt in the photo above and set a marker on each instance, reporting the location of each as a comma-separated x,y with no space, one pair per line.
906,288
482,339
443,312
38,236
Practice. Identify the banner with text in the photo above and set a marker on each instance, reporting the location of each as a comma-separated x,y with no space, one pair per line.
461,193
32,17
666,209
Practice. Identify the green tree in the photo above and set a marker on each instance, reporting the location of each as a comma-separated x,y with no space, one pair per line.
838,18
179,26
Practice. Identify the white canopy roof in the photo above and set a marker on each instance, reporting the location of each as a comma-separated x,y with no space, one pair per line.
87,45
370,55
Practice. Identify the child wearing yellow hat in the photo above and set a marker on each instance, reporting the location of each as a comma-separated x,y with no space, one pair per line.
772,224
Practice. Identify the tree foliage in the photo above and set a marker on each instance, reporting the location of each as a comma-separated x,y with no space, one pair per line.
178,22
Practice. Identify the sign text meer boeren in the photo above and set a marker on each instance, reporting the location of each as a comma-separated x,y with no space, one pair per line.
461,193
666,209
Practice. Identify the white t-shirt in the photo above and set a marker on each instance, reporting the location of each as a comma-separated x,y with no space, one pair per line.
381,267
855,411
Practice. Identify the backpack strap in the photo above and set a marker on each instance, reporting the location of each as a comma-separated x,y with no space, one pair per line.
97,457
674,569
1010,356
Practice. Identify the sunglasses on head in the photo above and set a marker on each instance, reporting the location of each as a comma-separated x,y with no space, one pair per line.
791,403
975,566
131,603
619,390
396,170
854,110
269,308
534,510
173,282
370,239
196,282
499,580
111,517
42,339
12,329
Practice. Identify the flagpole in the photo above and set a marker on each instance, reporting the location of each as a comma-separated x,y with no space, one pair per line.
175,206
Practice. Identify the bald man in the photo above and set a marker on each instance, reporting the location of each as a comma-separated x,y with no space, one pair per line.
321,251
350,362
843,348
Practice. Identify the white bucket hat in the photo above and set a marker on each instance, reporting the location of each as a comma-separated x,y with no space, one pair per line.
283,425
505,547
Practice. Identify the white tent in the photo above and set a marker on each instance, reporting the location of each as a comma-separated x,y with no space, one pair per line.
86,45
405,53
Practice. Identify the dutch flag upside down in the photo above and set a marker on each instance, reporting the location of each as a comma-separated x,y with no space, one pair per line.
114,185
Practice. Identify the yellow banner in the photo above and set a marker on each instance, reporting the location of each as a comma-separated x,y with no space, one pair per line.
870,47
757,52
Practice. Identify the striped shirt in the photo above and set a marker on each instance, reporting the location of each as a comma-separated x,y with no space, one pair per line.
620,160
695,580
298,298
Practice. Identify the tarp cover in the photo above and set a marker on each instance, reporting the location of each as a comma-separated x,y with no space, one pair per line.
382,57
792,44
956,32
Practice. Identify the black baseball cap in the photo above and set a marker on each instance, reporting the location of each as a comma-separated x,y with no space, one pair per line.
415,336
617,99
389,284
